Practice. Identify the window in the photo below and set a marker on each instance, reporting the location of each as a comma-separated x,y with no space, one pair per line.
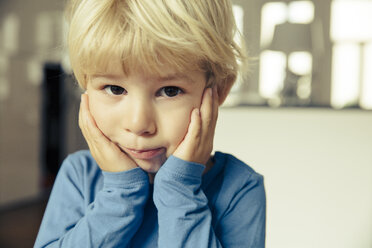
351,33
235,96
277,58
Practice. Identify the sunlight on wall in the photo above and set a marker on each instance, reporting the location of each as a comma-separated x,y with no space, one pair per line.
301,12
49,35
49,44
366,93
272,73
9,33
272,64
44,30
351,20
65,61
345,71
11,27
352,56
300,62
34,71
235,97
272,14
239,19
279,12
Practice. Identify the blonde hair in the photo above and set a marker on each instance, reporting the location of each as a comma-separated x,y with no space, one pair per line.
148,34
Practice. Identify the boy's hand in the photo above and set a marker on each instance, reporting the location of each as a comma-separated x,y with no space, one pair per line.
107,154
198,142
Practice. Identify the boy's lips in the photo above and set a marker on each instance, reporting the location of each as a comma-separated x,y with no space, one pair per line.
145,153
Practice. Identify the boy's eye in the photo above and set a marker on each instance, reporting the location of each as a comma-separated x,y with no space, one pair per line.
170,91
114,89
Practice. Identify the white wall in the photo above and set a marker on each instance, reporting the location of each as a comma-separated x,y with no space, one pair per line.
317,165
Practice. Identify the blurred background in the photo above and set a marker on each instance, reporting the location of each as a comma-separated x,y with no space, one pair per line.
302,118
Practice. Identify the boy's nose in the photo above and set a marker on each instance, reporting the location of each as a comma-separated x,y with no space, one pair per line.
140,120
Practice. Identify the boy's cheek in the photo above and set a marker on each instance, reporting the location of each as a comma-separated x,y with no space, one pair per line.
180,130
100,115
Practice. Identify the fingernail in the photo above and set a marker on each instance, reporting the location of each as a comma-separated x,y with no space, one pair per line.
210,92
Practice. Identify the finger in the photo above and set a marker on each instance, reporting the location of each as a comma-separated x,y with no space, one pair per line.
82,121
89,122
209,119
215,106
190,143
100,146
91,132
96,139
214,117
80,112
194,130
192,136
209,112
206,109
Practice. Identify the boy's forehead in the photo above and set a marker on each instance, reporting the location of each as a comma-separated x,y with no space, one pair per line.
164,72
151,77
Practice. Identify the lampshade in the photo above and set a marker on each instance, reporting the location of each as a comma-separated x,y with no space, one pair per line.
291,37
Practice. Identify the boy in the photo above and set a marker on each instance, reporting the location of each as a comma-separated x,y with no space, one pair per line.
155,73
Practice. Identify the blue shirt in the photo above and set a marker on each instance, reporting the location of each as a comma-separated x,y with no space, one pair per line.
225,207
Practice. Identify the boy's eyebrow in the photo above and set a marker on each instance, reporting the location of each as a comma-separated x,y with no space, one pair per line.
170,77
175,76
107,76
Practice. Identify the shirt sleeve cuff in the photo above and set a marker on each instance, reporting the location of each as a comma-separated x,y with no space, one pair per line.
124,179
183,168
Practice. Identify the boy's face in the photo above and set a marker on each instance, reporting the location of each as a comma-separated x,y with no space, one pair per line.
146,116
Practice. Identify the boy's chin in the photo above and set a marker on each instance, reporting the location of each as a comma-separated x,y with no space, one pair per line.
151,170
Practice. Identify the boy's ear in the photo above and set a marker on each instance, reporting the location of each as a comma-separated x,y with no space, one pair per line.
224,89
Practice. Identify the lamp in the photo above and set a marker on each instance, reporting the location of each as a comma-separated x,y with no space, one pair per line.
291,37
288,38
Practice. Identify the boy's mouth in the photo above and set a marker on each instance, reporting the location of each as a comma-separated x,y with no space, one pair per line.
144,154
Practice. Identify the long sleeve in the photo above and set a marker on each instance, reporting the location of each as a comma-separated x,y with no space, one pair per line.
184,217
231,213
110,220
243,223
